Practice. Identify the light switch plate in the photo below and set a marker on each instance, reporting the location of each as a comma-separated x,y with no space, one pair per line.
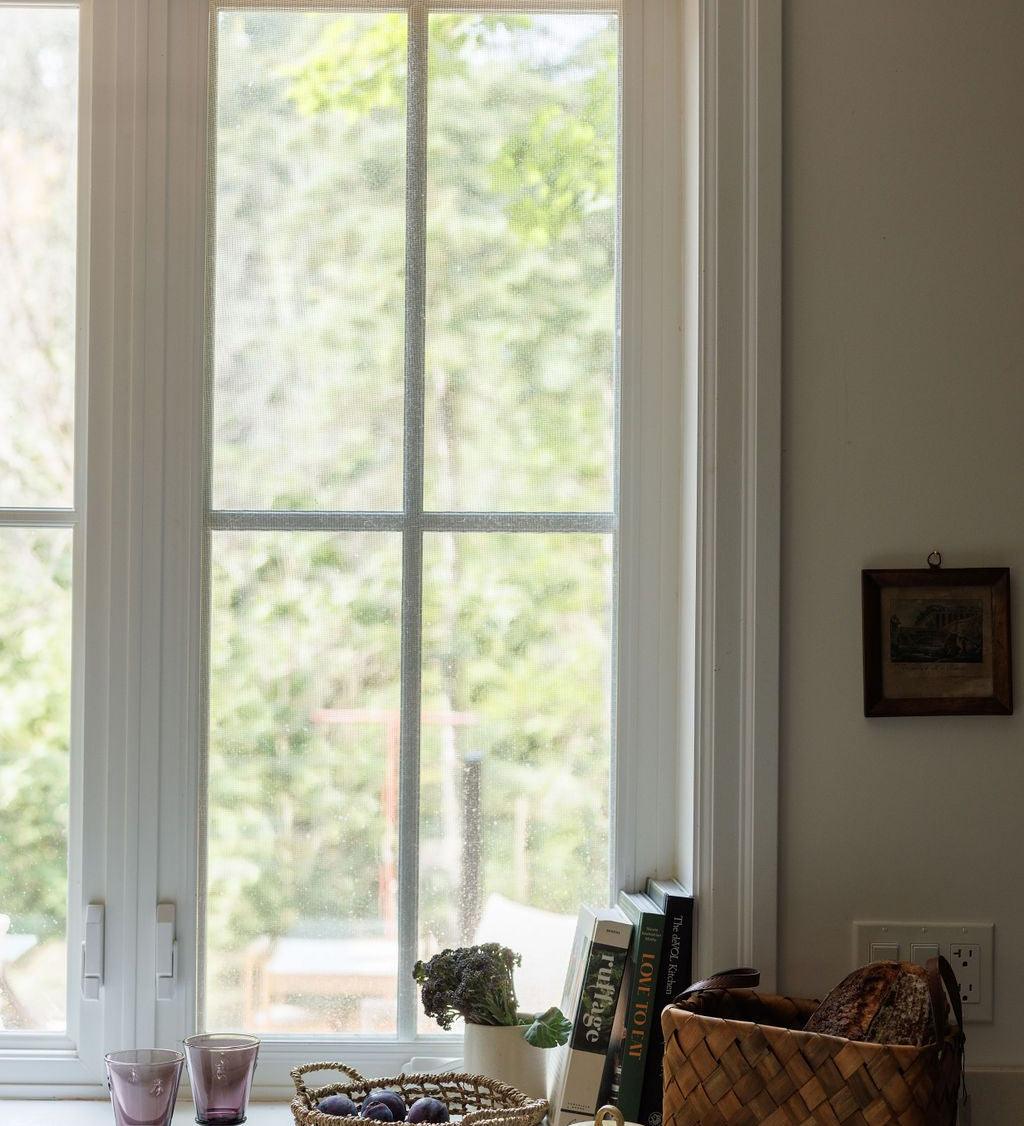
915,940
884,952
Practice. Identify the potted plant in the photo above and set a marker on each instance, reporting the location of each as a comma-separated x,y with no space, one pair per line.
476,983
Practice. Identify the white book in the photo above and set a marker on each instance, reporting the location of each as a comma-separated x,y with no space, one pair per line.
593,993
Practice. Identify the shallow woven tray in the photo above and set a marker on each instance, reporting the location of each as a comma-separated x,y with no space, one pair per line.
474,1098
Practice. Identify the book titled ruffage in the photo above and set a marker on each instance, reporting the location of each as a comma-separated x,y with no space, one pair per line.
593,994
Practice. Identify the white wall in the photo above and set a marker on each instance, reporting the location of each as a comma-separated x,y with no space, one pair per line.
903,431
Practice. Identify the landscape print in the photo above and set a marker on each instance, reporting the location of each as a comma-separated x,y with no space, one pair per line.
937,642
927,631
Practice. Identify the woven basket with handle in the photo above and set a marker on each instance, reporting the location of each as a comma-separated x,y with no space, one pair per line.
734,1057
477,1100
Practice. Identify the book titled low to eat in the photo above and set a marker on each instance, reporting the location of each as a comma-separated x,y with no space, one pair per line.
641,1010
593,988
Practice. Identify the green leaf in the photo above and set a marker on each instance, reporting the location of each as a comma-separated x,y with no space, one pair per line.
549,1029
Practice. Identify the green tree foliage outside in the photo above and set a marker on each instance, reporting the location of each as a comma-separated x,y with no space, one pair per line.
519,388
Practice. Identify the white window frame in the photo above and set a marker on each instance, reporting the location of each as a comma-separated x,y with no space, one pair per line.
697,717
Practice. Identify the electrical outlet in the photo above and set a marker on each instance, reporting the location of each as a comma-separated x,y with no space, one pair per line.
965,958
966,946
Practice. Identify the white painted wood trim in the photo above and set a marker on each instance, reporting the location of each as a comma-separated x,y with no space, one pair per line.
646,817
736,681
182,121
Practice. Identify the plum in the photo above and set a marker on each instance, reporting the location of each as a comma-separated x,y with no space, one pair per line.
377,1111
391,1099
428,1110
338,1104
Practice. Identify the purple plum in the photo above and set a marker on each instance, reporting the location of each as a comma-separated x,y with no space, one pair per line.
338,1104
377,1111
428,1110
391,1099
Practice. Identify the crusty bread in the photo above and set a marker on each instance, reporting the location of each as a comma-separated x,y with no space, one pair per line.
883,1002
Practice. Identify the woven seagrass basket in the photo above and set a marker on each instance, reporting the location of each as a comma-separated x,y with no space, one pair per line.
734,1057
478,1101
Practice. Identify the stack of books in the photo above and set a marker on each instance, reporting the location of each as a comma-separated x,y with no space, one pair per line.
627,963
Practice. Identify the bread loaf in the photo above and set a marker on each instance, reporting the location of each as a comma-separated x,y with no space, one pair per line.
883,1002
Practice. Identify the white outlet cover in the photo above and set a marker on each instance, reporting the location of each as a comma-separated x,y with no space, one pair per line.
944,935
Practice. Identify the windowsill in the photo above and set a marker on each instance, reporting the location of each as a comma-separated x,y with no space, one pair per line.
75,1112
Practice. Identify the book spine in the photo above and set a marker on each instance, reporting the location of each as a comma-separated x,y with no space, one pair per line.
582,1066
676,958
640,1010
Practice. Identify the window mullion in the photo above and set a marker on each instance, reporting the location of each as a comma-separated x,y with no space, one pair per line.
412,488
113,324
182,30
284,520
38,517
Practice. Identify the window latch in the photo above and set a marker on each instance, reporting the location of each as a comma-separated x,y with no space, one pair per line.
92,952
166,952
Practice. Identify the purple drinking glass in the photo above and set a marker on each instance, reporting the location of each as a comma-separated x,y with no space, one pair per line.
220,1067
143,1084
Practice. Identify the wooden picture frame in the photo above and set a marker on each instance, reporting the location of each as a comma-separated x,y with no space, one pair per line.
937,642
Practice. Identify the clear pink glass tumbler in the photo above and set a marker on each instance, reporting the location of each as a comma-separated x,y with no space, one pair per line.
220,1067
143,1084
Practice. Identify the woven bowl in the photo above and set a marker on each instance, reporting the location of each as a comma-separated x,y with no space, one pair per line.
476,1099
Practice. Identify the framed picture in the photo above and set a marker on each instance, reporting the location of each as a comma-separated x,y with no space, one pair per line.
937,642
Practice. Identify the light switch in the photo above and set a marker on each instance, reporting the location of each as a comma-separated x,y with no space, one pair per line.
920,952
885,951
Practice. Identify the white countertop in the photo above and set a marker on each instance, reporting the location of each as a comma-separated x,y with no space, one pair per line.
75,1112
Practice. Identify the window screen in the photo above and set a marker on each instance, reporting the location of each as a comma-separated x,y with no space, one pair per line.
411,500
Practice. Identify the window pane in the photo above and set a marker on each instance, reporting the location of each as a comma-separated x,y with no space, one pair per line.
516,744
303,756
38,138
521,244
519,162
35,672
310,259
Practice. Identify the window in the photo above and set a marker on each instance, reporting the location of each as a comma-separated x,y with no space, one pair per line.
358,615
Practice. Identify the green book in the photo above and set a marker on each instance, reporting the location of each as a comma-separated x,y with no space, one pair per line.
641,1011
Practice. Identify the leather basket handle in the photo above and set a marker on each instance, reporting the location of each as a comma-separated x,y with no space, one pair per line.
743,977
939,973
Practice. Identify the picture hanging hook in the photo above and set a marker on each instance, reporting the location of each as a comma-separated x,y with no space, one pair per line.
937,556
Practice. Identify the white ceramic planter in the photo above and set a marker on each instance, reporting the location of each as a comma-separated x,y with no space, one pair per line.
500,1052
